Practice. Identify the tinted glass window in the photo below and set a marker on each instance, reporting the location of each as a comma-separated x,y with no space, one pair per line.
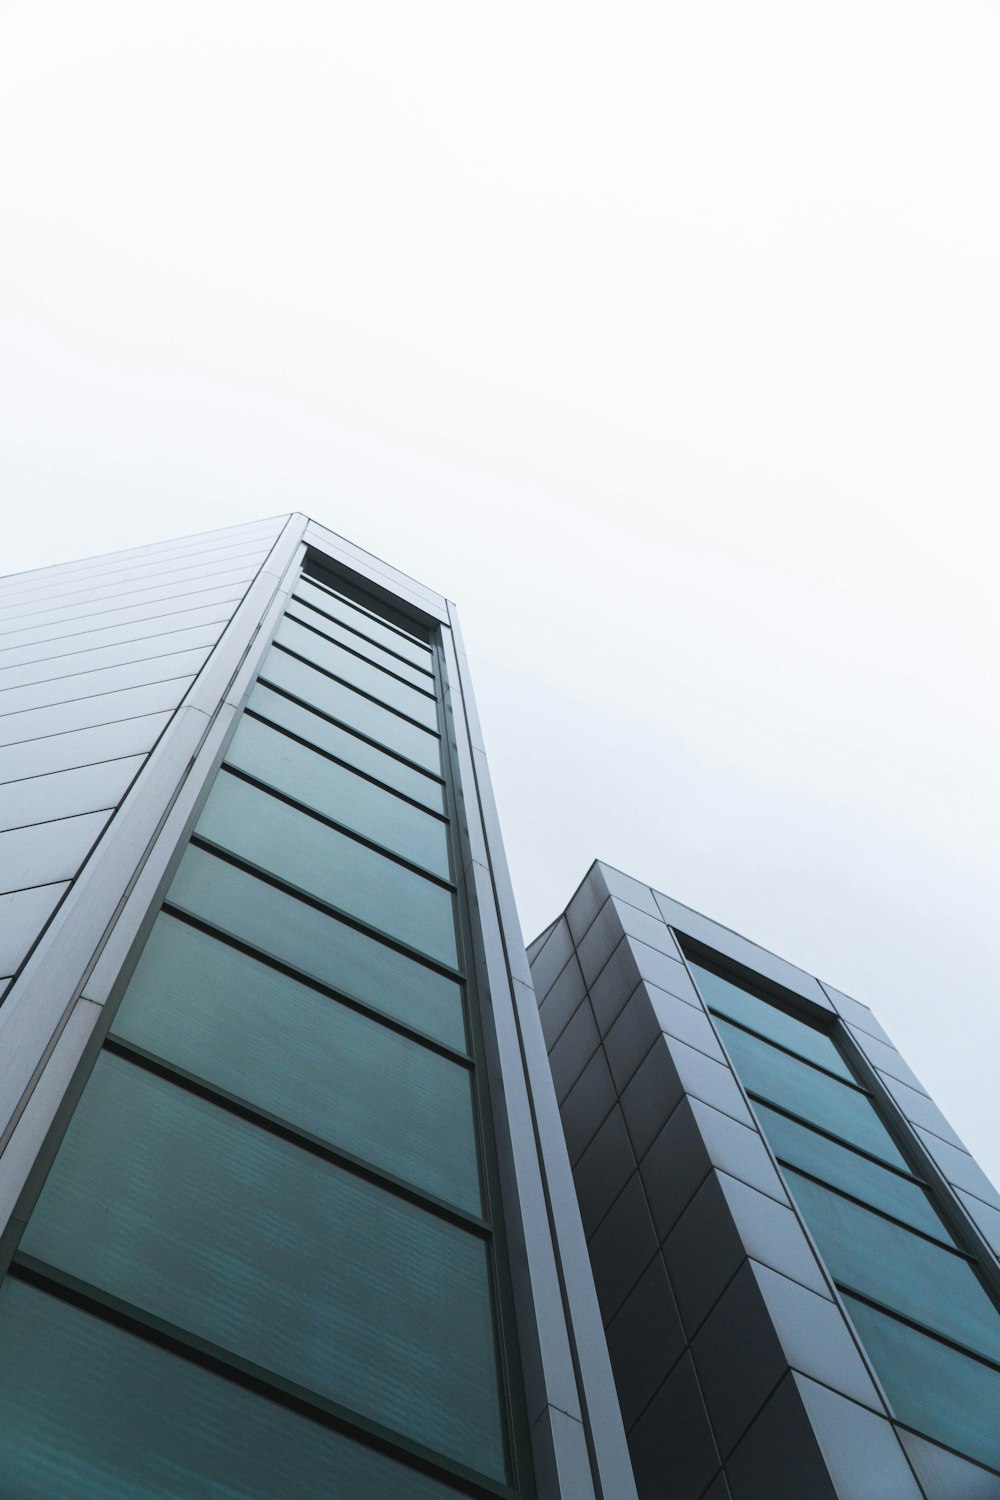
295,1264
319,946
88,1412
732,1001
932,1285
347,747
266,1038
304,612
809,1093
358,671
315,858
341,795
360,619
343,703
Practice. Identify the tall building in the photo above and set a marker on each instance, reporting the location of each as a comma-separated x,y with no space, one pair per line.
796,1258
284,1202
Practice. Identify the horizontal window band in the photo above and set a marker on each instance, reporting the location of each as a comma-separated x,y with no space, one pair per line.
872,1208
353,688
350,833
929,1333
358,734
837,1140
426,671
411,635
133,1319
296,1136
300,976
426,692
848,1083
269,878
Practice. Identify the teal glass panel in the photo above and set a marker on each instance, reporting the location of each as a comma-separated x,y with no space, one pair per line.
342,1076
301,610
89,1412
319,947
923,1281
788,1031
339,794
357,671
359,619
347,747
331,866
219,1227
816,1097
933,1388
343,703
843,1168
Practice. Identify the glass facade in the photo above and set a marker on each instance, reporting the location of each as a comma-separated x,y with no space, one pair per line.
263,1261
919,1301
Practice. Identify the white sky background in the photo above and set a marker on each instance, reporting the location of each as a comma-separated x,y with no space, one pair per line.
665,338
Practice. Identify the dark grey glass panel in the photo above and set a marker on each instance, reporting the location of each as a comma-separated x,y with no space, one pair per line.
73,662
220,1227
81,747
347,747
90,685
843,1168
300,610
319,946
343,703
89,1412
923,1281
337,793
360,673
784,1080
46,852
933,1388
359,619
301,1056
331,866
739,1005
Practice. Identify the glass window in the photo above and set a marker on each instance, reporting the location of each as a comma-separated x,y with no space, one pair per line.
319,946
346,746
816,1097
357,671
343,703
338,794
331,866
787,1030
933,1388
224,1229
301,1056
890,1264
359,619
89,1412
300,610
843,1168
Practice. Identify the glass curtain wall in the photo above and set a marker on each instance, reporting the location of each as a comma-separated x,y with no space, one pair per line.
262,1263
917,1297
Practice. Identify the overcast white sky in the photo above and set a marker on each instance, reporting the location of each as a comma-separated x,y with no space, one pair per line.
663,337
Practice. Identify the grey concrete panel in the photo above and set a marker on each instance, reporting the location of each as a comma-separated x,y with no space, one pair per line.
572,1052
650,930
41,799
562,1001
75,615
779,1458
613,986
920,1110
599,941
945,1476
885,1058
646,1339
537,944
47,852
631,1037
670,1070
861,1450
587,1105
551,959
136,624
120,653
856,1014
603,1170
985,1216
617,883
82,747
958,1167
86,685
663,971
622,1247
23,914
587,900
718,1489
62,718
673,1451
684,1023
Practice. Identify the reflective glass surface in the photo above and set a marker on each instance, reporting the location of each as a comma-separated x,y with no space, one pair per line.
736,1003
359,619
924,1281
346,746
358,671
299,1055
807,1092
304,612
337,793
933,1388
89,1412
319,946
255,1244
351,708
315,858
